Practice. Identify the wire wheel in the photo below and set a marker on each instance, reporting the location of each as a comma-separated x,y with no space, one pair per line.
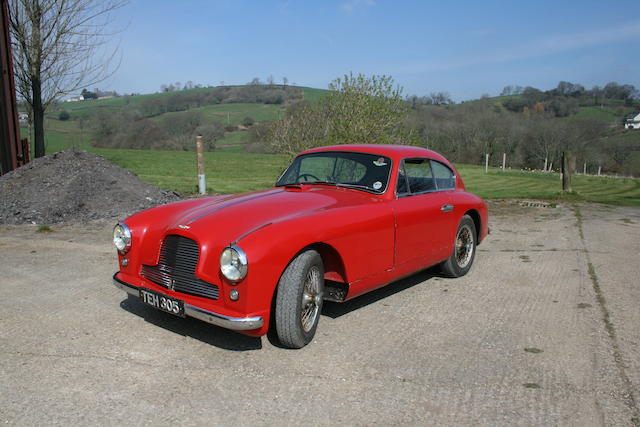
464,246
311,298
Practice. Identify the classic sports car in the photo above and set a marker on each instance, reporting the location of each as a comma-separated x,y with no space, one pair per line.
340,221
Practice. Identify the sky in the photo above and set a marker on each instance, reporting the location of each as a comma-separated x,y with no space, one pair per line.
465,48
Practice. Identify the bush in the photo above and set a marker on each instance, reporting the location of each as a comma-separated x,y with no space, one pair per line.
64,115
248,121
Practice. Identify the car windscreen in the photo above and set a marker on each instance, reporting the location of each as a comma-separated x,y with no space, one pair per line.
363,171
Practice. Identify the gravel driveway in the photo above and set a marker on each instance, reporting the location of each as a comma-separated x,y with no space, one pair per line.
544,330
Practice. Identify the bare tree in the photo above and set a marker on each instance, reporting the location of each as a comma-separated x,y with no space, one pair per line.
58,47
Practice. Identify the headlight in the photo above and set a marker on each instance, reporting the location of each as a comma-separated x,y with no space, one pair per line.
122,237
233,263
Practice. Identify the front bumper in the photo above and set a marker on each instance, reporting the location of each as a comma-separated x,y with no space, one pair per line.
233,323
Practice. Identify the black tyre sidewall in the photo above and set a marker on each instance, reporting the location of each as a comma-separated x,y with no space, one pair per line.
291,286
450,267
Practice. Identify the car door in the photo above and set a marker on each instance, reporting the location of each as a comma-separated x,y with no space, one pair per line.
422,215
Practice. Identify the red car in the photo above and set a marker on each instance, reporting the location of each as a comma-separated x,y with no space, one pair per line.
341,221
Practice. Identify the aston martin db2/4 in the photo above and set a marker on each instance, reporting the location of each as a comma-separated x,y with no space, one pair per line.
341,221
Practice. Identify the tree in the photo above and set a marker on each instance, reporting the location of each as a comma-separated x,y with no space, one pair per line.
358,109
440,98
58,47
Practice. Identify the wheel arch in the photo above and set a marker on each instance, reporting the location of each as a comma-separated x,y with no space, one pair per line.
477,221
334,268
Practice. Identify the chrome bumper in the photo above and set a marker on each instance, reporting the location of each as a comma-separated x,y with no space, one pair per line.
233,323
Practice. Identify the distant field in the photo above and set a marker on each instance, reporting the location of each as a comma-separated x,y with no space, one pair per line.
604,114
234,114
314,95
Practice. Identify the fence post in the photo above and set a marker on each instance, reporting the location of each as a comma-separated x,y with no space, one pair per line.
504,160
584,169
486,163
599,170
566,171
202,188
545,165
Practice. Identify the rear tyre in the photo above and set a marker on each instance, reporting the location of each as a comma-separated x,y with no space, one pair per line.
299,300
464,249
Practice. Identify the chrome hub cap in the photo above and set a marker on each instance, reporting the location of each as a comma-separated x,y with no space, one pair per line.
311,298
464,246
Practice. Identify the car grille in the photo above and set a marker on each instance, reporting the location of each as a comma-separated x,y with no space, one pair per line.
177,266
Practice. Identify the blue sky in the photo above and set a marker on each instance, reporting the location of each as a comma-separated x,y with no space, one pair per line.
466,48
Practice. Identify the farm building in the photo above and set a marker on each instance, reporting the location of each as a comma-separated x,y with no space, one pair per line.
633,121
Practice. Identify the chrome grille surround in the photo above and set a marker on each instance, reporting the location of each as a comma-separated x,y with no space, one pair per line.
177,266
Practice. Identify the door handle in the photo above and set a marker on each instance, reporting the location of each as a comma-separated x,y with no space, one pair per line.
446,208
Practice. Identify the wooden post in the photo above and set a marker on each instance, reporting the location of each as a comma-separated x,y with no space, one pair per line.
504,160
567,170
584,169
486,163
202,188
599,170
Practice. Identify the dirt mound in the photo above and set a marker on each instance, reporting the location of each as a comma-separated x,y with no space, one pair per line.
74,186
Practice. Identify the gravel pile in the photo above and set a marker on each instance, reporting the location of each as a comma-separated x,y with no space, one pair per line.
74,186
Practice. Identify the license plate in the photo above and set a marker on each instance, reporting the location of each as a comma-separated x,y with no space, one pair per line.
162,302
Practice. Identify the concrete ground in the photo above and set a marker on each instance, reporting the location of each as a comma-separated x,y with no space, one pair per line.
544,330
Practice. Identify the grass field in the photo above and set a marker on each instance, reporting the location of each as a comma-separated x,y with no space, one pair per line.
229,172
176,170
604,114
537,185
314,95
234,114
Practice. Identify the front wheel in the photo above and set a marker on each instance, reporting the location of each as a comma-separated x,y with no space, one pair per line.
299,300
464,250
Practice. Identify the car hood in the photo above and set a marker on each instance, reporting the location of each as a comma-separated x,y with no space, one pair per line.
229,218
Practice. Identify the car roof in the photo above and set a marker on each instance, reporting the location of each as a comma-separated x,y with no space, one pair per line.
392,151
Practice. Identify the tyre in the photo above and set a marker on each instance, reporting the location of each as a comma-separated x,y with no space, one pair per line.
299,300
464,249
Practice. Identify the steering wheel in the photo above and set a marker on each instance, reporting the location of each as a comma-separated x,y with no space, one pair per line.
304,176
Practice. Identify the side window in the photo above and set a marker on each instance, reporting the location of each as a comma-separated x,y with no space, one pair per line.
402,187
419,175
444,177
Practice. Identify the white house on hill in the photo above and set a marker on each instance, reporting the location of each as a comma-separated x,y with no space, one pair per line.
633,121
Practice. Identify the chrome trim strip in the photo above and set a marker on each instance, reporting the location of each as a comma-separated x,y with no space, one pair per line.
130,289
227,322
234,323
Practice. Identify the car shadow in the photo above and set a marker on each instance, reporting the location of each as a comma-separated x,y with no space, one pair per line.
337,309
193,328
229,340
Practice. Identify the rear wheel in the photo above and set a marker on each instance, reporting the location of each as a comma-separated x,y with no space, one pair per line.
464,250
299,300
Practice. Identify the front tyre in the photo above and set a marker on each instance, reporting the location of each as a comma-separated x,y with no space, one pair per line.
299,300
464,250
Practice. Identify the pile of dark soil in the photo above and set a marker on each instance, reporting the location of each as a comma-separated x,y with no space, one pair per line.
74,186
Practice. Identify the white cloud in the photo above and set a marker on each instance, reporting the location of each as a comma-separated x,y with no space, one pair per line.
352,4
549,45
